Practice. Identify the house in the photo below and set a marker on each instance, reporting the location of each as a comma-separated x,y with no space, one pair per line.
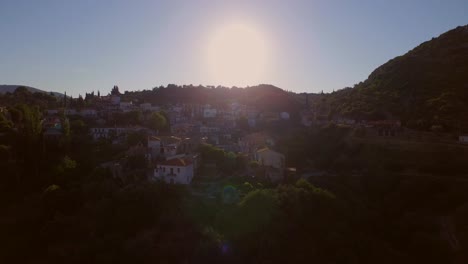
88,113
145,106
115,99
345,121
209,130
69,112
176,170
110,132
52,128
165,147
272,162
182,128
209,112
126,106
249,143
385,127
271,158
463,139
307,118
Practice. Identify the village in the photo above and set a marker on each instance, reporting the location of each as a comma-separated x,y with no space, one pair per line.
176,151
172,152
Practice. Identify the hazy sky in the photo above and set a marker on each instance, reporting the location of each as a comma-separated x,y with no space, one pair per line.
82,45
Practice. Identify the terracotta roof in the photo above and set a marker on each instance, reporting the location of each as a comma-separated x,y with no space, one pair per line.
263,149
176,162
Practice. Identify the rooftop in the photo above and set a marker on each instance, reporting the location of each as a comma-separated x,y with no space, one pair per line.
176,162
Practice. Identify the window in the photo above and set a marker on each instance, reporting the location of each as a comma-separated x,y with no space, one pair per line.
178,170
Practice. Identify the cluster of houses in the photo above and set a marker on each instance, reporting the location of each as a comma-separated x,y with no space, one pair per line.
381,128
176,159
173,156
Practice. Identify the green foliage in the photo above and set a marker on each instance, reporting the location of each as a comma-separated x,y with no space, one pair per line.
211,153
304,184
31,123
254,164
78,127
157,121
5,124
427,82
135,138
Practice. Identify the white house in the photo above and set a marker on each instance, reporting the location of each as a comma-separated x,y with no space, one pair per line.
272,162
176,170
88,113
271,158
463,139
115,99
145,106
208,130
126,106
107,132
209,112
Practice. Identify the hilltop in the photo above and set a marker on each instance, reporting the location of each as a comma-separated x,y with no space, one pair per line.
265,97
426,87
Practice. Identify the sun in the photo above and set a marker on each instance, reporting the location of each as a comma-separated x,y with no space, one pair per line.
237,55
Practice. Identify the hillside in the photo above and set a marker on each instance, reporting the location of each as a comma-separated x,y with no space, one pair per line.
11,88
426,87
264,97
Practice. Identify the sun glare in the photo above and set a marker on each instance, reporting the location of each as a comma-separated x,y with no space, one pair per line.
237,55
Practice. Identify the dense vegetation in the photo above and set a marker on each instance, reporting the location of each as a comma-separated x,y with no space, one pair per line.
264,97
374,204
428,86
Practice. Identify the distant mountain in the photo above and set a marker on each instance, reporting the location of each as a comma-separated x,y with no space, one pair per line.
11,88
426,87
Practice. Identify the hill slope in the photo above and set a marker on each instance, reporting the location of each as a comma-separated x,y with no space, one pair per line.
11,88
425,87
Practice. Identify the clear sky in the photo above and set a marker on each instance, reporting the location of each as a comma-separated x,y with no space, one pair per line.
78,46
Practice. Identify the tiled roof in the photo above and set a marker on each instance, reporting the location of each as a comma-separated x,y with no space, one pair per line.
263,149
176,162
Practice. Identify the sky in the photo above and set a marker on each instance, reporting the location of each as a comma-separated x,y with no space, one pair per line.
301,46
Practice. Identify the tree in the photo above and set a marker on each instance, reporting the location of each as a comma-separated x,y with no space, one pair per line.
229,162
212,153
242,123
134,117
115,90
157,121
80,103
5,124
135,138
